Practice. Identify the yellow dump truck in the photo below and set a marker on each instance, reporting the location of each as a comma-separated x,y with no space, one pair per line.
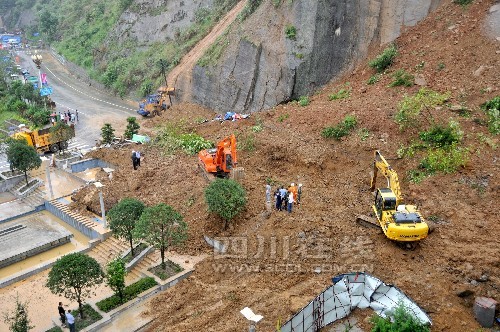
43,140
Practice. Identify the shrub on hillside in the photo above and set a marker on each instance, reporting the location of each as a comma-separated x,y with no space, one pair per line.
340,130
400,320
385,59
492,109
225,198
442,136
402,78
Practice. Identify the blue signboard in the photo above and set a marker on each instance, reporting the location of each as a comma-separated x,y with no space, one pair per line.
45,91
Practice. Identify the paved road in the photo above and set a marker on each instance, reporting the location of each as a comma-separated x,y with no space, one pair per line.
95,108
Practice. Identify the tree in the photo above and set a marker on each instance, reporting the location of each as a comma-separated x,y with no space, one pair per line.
61,132
22,157
132,127
18,320
161,226
73,276
115,276
48,24
107,133
122,218
225,198
163,64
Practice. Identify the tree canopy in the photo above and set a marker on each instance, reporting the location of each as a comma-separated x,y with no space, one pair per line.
161,226
115,276
226,198
74,276
22,157
132,127
123,217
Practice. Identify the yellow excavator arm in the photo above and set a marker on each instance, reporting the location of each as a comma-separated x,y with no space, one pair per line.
392,177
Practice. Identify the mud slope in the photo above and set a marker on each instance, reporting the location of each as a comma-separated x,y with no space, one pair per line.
274,274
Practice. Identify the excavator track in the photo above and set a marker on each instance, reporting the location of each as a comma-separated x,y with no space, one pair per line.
209,177
367,221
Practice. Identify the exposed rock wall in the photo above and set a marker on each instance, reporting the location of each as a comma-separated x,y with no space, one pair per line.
262,67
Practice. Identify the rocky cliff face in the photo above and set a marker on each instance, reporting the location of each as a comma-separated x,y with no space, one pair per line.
262,67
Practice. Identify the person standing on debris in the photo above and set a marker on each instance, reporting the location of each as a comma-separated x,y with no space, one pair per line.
293,190
299,193
62,314
71,321
134,159
138,156
283,193
290,202
268,192
277,195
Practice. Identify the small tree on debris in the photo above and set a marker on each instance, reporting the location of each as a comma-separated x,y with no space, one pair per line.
18,320
115,276
22,157
74,276
122,218
400,320
132,127
107,133
161,226
225,198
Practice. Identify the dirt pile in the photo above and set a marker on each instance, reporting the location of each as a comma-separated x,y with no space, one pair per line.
278,262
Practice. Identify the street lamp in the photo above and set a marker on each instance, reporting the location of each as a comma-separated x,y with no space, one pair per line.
37,59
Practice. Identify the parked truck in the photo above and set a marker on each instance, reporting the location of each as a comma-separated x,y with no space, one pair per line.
44,140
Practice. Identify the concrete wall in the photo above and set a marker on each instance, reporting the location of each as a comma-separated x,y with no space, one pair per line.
8,183
84,164
34,251
89,232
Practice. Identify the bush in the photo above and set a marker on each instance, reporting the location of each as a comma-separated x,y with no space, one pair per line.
445,160
304,101
400,320
290,32
463,2
492,109
402,78
194,143
385,59
129,293
442,136
226,198
340,130
410,107
91,316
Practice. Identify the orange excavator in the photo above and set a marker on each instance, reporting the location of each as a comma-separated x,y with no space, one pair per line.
222,160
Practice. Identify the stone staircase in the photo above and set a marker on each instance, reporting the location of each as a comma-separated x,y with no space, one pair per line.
150,260
34,199
108,250
84,224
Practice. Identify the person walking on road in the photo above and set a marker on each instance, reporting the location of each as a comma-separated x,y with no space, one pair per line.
76,114
62,314
71,321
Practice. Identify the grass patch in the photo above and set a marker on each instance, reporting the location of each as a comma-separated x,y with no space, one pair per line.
55,329
399,320
137,251
291,32
283,117
341,129
171,269
129,293
402,78
250,7
215,51
385,59
304,101
174,137
91,316
442,136
343,93
28,186
492,110
463,2
373,79
246,142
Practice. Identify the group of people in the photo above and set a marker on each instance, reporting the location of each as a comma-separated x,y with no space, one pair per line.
66,117
67,319
136,159
285,198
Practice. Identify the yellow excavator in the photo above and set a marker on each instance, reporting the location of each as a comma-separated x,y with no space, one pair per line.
400,222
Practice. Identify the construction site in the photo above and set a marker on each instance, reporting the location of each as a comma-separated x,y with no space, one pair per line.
443,253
